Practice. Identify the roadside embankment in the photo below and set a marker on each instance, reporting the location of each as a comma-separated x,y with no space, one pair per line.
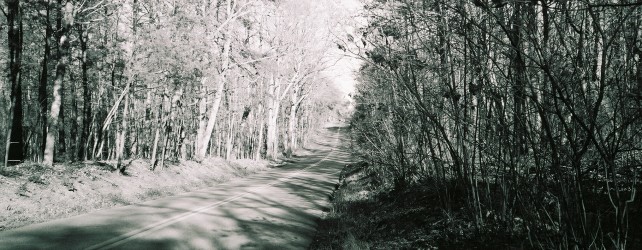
33,193
366,213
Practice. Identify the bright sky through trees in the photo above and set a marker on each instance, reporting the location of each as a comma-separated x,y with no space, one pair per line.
346,17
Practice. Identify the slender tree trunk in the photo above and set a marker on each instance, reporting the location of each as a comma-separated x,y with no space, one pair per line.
273,116
519,78
182,147
218,143
207,133
86,110
230,139
168,130
259,144
148,123
75,123
62,136
170,118
61,67
15,143
61,143
202,125
160,120
273,135
155,147
292,126
97,135
121,136
44,80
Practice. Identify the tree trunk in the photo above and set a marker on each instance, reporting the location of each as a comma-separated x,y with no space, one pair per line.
218,144
168,130
155,147
273,116
97,138
75,123
61,67
62,136
14,147
519,78
121,135
44,80
259,144
170,118
272,131
230,139
61,143
292,126
148,122
83,145
182,147
202,109
207,132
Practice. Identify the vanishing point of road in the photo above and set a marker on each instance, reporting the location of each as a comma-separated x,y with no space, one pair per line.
275,209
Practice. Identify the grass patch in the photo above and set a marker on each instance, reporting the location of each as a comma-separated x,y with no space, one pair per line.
23,190
38,179
351,242
35,168
151,194
10,172
117,198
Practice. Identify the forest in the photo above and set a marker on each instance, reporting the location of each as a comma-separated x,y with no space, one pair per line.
162,80
523,118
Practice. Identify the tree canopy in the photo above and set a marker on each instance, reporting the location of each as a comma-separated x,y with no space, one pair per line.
159,80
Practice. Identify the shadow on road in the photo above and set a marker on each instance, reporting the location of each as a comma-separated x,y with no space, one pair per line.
272,210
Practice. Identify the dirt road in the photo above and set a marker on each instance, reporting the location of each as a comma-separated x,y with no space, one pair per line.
271,210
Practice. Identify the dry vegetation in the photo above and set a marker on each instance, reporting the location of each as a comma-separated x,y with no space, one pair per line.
32,193
366,213
521,119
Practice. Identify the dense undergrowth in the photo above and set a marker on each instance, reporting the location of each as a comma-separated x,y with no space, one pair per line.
367,213
522,119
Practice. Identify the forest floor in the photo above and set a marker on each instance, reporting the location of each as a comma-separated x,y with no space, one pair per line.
33,193
368,214
365,214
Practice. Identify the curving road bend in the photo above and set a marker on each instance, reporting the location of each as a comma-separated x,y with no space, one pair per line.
276,209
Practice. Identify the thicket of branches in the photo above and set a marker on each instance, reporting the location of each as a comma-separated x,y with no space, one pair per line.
527,111
161,80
